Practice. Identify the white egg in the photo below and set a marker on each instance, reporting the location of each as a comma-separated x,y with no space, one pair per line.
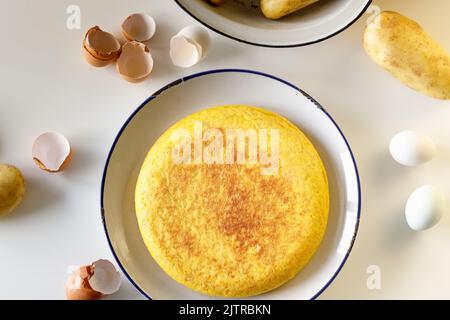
424,208
411,148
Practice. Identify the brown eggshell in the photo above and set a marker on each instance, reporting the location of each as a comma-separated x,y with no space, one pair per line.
78,287
142,60
100,47
98,63
134,80
139,27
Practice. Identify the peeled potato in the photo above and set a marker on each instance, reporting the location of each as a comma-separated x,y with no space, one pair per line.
12,188
402,47
275,9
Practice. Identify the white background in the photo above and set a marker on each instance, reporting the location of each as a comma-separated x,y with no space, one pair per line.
45,85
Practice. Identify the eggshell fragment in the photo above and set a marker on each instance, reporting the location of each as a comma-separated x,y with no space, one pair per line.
139,27
93,281
189,46
135,62
424,208
105,278
78,287
51,152
184,52
411,148
100,47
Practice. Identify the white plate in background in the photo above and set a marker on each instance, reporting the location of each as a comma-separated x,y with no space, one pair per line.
242,21
222,87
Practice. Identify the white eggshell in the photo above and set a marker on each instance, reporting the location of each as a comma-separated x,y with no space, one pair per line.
51,151
424,208
184,52
198,34
189,46
412,148
105,278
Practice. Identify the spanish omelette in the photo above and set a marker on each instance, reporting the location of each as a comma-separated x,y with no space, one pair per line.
227,229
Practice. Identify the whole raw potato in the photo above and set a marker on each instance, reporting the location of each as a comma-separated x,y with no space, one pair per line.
275,9
12,188
402,47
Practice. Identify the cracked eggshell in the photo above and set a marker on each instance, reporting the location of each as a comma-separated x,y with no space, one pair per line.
411,148
100,47
139,27
51,152
189,46
184,52
135,62
78,287
93,281
12,188
105,278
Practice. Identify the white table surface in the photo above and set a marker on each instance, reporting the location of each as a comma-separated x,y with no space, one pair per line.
45,85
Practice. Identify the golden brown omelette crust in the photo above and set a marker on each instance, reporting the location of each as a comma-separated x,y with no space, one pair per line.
227,230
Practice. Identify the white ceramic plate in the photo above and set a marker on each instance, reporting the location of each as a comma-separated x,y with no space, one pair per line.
242,20
214,88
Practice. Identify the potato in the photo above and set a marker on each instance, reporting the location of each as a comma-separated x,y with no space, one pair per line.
275,9
12,188
402,47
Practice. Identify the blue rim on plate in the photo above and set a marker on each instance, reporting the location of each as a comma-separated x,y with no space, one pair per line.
274,45
197,75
